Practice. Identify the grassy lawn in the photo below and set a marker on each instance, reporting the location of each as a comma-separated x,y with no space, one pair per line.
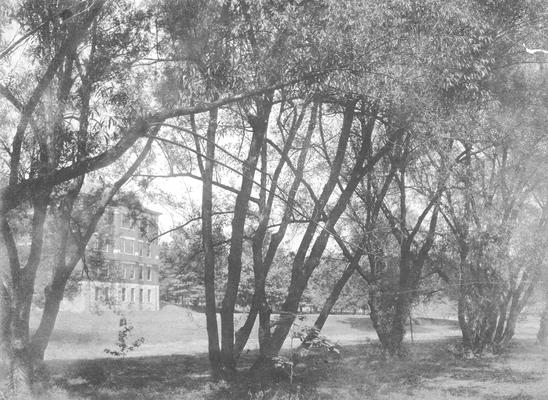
431,371
175,330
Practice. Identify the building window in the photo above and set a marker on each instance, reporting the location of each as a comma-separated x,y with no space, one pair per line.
147,249
149,273
140,295
108,246
149,296
141,272
110,217
123,294
126,221
106,269
133,271
97,294
127,246
152,229
126,270
132,295
106,293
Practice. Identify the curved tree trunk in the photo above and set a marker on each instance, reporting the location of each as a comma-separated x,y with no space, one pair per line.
242,335
333,297
53,297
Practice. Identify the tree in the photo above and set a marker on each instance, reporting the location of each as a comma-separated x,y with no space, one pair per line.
18,278
182,269
83,65
412,71
74,228
488,212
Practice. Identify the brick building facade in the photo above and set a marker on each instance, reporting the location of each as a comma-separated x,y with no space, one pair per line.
122,263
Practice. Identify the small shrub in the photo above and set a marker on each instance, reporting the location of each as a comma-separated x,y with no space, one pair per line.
311,338
124,344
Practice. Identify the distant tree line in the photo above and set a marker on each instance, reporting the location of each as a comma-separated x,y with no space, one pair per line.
182,281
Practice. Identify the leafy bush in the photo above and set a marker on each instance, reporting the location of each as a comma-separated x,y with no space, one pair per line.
124,344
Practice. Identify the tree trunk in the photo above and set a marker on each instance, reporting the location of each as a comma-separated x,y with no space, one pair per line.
408,282
265,337
489,325
542,335
333,297
22,288
397,332
262,264
242,335
381,314
16,363
5,317
487,317
53,297
288,312
301,263
462,308
503,310
20,364
214,350
518,303
303,267
389,314
263,367
510,327
259,126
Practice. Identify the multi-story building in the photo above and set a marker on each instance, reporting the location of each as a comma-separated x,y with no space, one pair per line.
122,264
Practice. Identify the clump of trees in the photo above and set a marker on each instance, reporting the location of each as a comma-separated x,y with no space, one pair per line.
397,132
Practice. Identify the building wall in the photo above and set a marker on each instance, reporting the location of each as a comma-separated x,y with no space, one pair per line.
129,278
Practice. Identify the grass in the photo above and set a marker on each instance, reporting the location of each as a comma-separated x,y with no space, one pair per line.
360,371
176,330
431,371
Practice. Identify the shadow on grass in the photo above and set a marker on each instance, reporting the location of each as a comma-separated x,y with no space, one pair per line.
363,371
84,377
359,371
420,325
358,322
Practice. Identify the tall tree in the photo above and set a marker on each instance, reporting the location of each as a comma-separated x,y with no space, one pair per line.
489,209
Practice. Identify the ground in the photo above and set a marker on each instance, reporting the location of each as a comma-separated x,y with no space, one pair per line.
172,364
